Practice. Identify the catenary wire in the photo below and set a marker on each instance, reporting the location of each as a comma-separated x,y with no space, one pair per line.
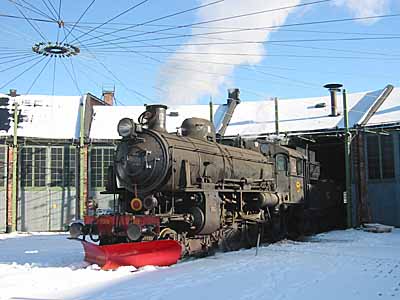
263,28
79,19
158,19
37,76
226,18
113,18
30,23
20,74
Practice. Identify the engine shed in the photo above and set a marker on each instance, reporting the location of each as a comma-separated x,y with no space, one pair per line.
64,146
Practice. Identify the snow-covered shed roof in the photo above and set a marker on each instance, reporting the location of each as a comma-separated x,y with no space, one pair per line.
50,117
307,114
57,117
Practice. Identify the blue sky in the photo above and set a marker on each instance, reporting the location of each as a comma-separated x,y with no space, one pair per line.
140,74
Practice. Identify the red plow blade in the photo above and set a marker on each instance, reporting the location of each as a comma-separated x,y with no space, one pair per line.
156,253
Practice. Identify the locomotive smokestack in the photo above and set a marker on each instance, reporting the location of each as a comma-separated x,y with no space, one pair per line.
333,89
232,102
157,120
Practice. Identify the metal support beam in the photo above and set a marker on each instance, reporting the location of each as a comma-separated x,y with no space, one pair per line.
82,164
347,156
14,180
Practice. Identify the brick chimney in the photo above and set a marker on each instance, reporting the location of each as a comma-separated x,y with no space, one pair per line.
108,97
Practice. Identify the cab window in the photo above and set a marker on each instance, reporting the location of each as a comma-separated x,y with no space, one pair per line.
281,163
299,167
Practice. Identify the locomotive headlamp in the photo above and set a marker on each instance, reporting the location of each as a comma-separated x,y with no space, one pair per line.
126,127
150,202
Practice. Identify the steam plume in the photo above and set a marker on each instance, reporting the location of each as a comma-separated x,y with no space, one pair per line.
179,77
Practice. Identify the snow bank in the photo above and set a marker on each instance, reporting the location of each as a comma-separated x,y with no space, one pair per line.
337,265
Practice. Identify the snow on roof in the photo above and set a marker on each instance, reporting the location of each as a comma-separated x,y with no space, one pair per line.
52,117
57,117
389,112
106,118
308,114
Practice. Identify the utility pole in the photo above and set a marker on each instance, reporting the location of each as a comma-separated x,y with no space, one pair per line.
347,157
14,170
82,161
276,116
211,111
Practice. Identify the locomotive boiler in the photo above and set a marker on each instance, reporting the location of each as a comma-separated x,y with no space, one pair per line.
193,188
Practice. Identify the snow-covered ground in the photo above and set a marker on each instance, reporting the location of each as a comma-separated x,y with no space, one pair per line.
348,264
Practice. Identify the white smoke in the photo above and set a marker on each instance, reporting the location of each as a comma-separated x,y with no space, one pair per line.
364,8
179,78
184,80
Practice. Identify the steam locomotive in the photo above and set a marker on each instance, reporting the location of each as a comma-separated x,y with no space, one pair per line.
201,190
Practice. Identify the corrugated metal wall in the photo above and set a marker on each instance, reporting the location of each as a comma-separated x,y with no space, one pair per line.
383,173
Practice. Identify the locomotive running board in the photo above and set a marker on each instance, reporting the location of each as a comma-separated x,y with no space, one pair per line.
156,253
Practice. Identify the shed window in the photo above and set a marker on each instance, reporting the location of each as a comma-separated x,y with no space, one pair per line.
100,160
33,166
281,162
63,166
380,154
3,166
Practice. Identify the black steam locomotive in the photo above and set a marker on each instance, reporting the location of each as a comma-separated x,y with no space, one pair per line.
201,190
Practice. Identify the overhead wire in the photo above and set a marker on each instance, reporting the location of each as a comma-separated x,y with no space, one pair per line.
19,64
262,72
72,78
15,55
30,23
53,9
252,55
37,76
79,19
278,41
228,18
159,18
112,73
162,47
113,18
38,12
20,74
54,18
296,82
262,28
281,30
36,9
59,10
22,18
17,59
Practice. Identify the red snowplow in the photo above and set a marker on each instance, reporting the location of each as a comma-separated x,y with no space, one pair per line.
143,249
139,254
